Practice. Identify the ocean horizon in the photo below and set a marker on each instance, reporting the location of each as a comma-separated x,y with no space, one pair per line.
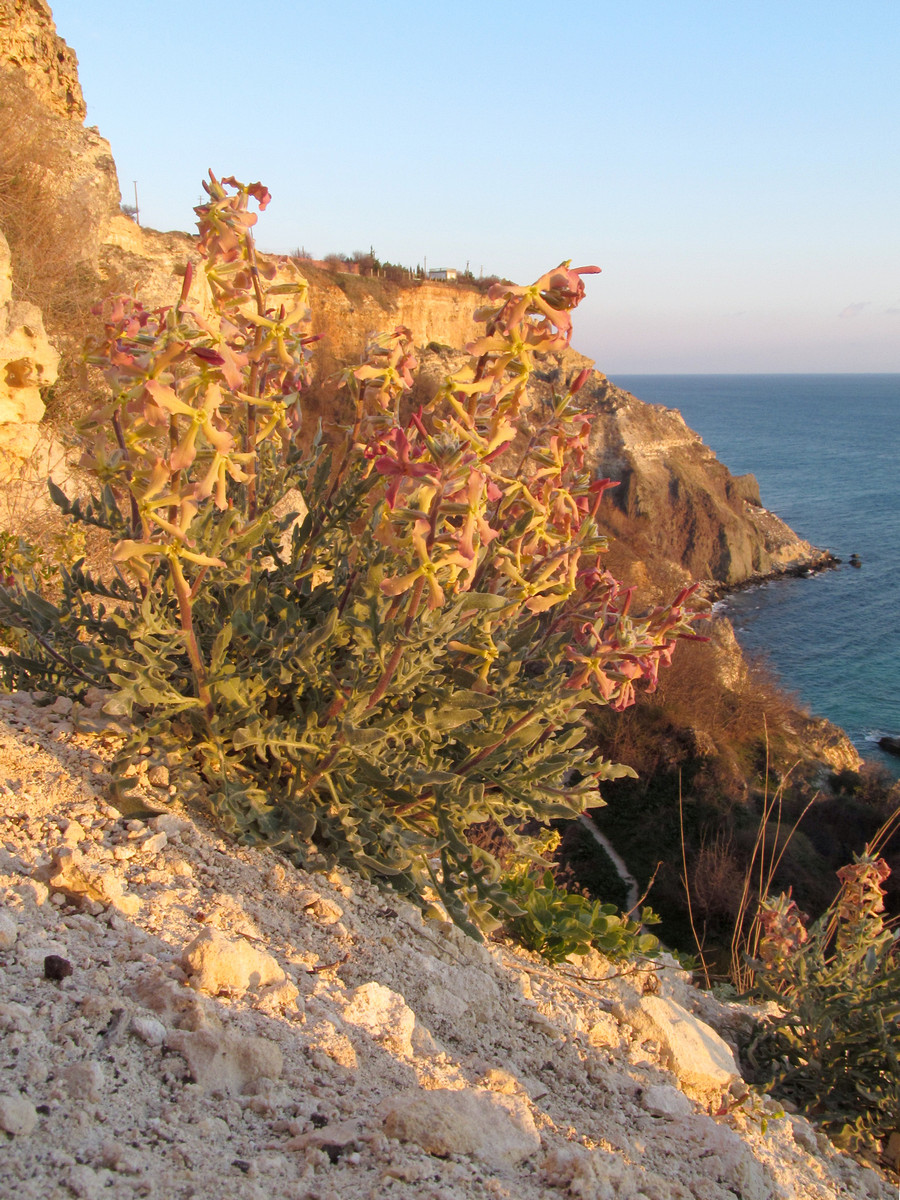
824,448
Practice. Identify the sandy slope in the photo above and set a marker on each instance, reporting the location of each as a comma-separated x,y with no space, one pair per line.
318,1039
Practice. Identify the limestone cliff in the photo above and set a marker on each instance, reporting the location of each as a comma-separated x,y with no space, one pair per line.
30,45
74,164
684,503
28,363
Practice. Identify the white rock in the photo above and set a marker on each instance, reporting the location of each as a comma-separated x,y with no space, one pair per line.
170,825
149,1030
383,1015
9,931
701,1060
155,843
85,1081
226,1061
220,964
18,1115
73,833
663,1100
497,1130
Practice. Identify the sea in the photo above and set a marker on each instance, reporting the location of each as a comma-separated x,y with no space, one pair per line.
826,452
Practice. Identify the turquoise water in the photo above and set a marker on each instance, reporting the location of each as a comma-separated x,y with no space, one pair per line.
826,451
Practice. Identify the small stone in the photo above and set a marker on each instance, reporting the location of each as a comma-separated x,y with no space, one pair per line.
18,1115
219,964
56,967
155,843
8,930
85,1081
663,1100
498,1130
384,1015
149,1030
74,833
158,776
62,705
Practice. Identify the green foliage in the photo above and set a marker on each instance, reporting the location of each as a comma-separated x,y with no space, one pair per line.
835,1051
403,654
556,923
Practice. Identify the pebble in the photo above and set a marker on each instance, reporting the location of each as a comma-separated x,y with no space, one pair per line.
158,776
85,1081
149,1030
155,843
73,833
9,931
56,967
18,1115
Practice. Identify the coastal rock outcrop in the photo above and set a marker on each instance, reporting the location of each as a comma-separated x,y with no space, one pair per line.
681,503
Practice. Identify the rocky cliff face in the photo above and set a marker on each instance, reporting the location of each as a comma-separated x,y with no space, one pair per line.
28,364
29,44
686,504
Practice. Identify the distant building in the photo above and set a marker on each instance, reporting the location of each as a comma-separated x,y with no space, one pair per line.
448,274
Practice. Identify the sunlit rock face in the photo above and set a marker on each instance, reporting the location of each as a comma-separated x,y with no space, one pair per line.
29,43
28,363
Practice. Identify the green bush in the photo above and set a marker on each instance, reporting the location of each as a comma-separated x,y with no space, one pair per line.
835,1050
556,923
408,650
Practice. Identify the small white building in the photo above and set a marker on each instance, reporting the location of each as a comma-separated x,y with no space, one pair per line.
447,274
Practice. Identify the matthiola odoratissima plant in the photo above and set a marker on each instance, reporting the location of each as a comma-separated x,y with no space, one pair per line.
409,650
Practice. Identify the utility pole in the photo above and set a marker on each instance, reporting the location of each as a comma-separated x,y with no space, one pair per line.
137,211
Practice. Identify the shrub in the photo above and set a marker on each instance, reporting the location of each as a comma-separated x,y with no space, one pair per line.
408,650
835,1051
556,923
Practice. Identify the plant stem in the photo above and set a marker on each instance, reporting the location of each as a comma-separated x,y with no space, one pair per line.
185,609
687,887
120,439
465,767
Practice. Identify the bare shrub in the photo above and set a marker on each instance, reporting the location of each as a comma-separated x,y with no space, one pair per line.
718,880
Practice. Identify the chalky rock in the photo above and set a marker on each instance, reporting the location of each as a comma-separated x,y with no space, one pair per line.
18,1115
80,879
383,1015
220,964
663,1100
226,1061
8,930
85,1081
703,1063
28,364
497,1130
149,1030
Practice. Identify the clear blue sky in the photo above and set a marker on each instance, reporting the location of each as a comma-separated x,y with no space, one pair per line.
731,165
